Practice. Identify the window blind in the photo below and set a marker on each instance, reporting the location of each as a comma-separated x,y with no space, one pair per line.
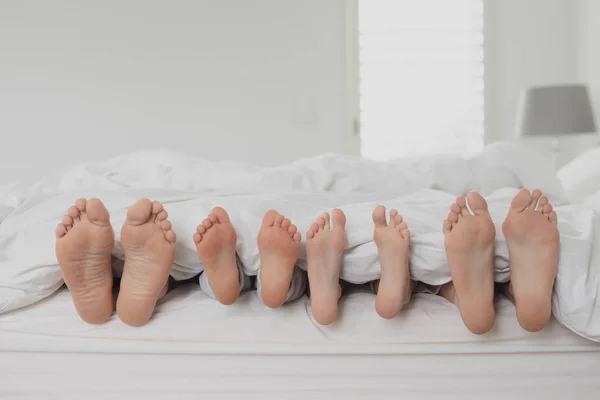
421,77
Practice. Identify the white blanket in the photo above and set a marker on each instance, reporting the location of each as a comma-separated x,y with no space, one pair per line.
421,189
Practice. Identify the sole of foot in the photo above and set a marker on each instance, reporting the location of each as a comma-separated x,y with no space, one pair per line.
469,242
325,247
278,244
149,244
533,240
84,242
215,240
392,240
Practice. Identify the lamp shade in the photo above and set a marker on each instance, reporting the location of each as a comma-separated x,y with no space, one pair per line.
555,110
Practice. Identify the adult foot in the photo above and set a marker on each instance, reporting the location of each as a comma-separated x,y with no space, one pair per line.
278,244
324,255
469,242
215,240
533,243
149,245
84,242
394,288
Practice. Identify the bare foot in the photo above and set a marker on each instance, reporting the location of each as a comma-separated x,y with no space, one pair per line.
84,242
278,244
533,243
469,242
394,288
149,245
215,240
324,255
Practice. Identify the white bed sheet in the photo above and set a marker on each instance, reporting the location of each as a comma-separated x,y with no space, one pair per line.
195,346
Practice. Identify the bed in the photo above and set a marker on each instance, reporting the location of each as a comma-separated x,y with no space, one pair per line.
194,346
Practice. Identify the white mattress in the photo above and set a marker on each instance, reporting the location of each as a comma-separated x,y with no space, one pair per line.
196,346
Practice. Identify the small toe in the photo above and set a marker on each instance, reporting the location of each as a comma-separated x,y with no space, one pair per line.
455,208
553,217
166,225
201,229
547,209
212,218
207,224
197,238
286,224
80,204
163,215
67,220
314,228
447,226
452,217
297,237
170,236
61,230
292,229
73,212
321,223
327,219
157,207
279,219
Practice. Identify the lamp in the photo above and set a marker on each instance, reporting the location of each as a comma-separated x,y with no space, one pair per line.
555,111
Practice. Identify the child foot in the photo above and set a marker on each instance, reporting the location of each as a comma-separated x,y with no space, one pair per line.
394,287
84,242
149,245
469,242
278,244
324,255
215,241
533,243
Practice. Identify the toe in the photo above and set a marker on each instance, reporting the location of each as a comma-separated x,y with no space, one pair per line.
455,208
547,209
339,219
73,212
221,214
269,218
201,229
447,227
140,212
212,218
405,233
207,224
81,204
170,236
286,224
393,214
477,203
157,207
292,229
452,217
379,217
314,228
161,216
197,238
96,212
321,223
310,234
327,220
521,201
165,225
67,220
297,237
402,226
535,198
61,230
462,203
279,220
553,217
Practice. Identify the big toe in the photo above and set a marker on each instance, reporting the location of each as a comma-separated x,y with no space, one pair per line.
96,212
379,217
522,200
339,219
140,212
221,214
477,203
269,218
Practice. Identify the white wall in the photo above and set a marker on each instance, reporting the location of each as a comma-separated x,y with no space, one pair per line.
527,43
262,81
